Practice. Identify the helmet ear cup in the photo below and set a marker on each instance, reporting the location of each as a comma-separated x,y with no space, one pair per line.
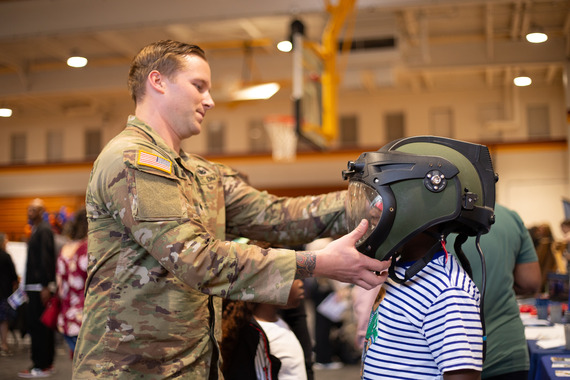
418,209
476,176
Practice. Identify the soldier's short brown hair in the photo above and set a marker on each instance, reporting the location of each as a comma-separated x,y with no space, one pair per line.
166,56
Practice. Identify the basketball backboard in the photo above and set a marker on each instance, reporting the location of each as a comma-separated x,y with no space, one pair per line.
308,68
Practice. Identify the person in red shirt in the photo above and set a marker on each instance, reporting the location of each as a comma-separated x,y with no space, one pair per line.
71,272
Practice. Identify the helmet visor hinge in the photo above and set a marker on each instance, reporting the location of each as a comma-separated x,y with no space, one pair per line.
435,181
352,168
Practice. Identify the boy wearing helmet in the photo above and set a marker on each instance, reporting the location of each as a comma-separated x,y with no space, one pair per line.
414,192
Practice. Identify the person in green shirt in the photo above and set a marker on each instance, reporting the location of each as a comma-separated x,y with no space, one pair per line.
511,269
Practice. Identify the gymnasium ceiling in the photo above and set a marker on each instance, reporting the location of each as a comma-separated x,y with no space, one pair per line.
438,45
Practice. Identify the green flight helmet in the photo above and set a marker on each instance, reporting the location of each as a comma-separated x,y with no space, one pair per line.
415,183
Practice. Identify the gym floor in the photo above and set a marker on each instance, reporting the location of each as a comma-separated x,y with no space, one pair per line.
10,366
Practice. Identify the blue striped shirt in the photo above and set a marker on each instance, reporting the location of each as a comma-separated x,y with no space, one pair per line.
425,327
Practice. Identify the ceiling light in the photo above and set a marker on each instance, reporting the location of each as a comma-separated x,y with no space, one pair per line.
260,91
5,112
285,46
296,27
77,61
522,80
249,89
536,35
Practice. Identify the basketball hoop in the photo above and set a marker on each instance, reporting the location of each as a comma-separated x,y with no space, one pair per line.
281,131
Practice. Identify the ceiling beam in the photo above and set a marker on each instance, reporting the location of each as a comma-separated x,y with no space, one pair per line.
368,80
526,21
489,77
411,27
567,33
26,19
118,43
489,31
424,39
551,73
52,47
516,20
427,80
108,74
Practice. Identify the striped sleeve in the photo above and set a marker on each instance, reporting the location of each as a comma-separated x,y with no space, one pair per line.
452,328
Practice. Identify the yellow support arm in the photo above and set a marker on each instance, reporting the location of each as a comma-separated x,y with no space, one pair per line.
330,78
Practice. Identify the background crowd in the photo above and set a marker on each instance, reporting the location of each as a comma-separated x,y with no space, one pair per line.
315,338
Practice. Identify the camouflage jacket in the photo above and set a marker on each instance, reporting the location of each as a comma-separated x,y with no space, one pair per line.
159,264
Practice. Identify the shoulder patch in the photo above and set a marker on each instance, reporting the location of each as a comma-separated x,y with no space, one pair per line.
154,161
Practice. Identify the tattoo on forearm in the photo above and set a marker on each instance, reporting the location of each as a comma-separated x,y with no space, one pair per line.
306,262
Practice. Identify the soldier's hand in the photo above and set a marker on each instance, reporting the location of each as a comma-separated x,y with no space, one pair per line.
340,260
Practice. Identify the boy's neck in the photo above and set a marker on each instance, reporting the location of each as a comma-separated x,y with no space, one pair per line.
412,255
266,312
416,248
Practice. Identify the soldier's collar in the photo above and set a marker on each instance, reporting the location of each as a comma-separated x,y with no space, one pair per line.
134,123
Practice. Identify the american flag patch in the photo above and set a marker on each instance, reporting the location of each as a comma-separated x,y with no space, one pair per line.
154,161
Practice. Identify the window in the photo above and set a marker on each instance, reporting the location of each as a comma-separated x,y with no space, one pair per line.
348,131
92,143
492,118
538,120
491,112
395,125
18,152
54,147
441,122
258,138
216,134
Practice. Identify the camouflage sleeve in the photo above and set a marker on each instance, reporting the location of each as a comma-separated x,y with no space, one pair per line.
281,220
175,222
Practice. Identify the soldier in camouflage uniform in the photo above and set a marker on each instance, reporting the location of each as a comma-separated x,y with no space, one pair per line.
158,218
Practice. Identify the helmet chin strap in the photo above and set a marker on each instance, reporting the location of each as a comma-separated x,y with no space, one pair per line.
482,292
459,240
415,267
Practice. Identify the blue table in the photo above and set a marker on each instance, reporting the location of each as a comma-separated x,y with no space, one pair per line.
546,370
537,354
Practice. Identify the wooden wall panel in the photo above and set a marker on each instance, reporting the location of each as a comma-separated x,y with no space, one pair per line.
14,212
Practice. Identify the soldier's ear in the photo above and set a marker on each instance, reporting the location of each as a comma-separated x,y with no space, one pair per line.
156,81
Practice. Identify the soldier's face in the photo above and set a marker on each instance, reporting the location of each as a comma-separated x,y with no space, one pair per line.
187,97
